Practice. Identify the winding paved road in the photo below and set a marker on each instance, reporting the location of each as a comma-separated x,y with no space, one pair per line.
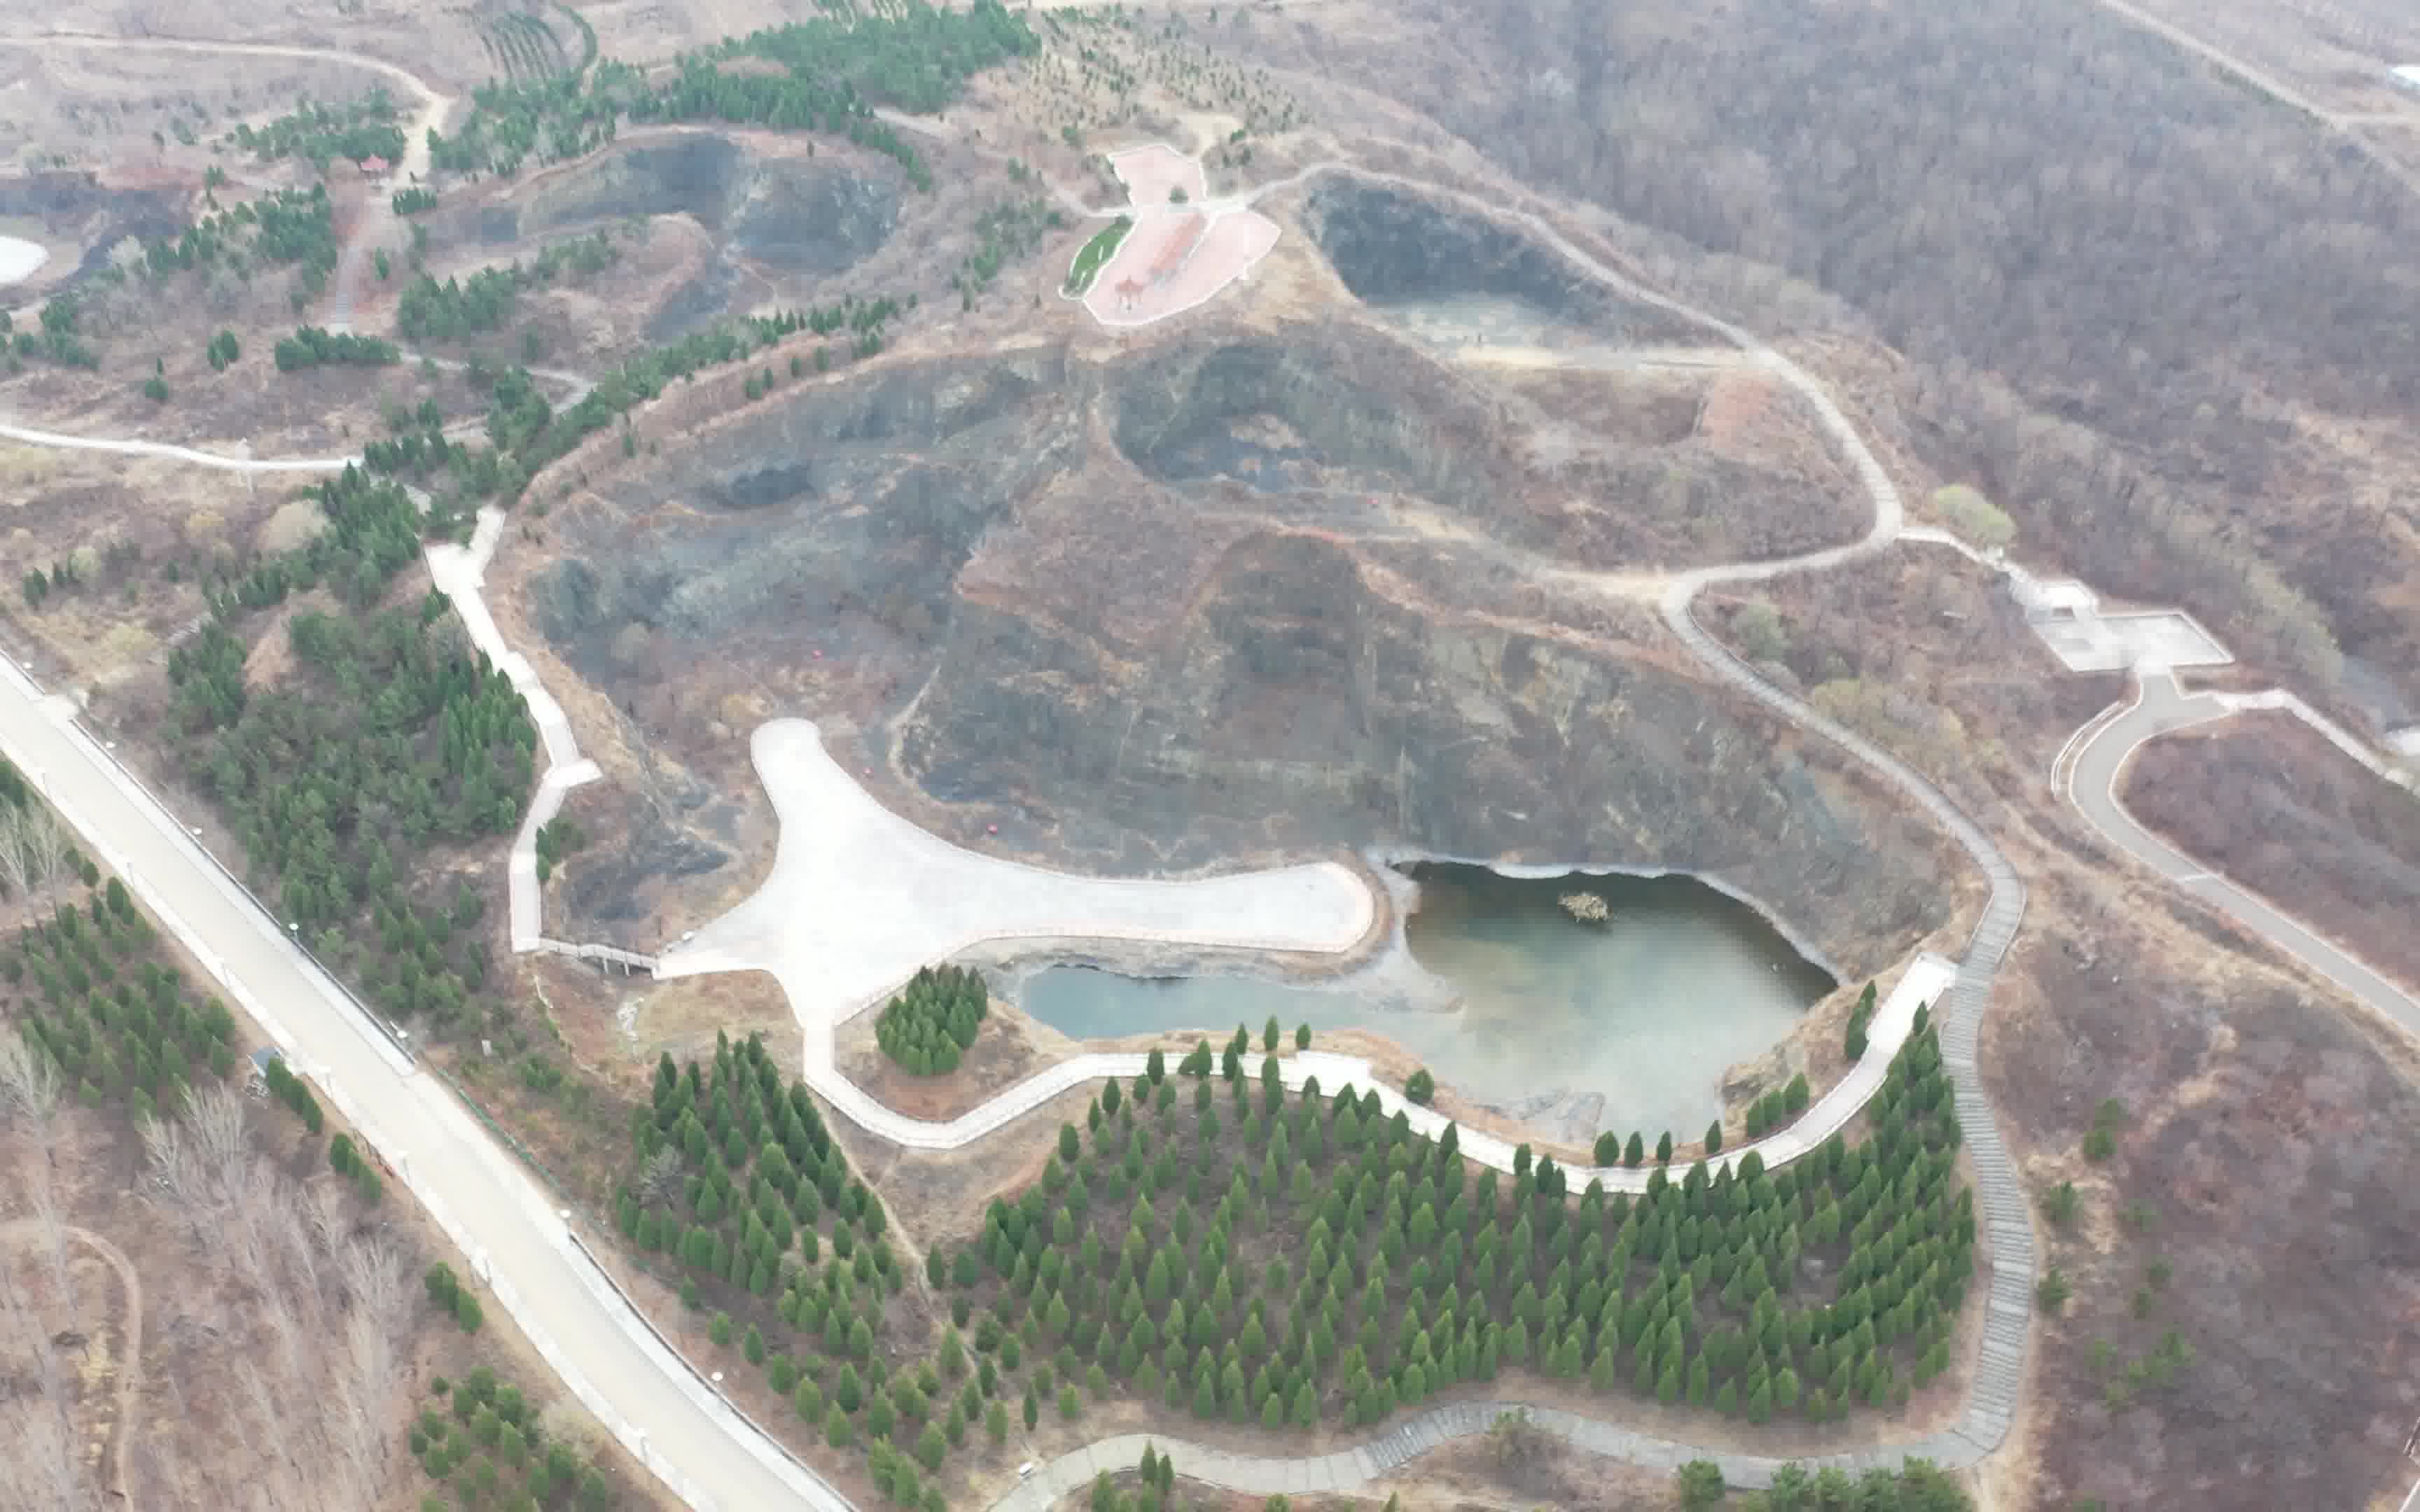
514,1240
2162,705
591,1337
608,1357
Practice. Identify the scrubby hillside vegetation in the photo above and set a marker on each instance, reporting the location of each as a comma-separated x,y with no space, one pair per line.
2129,286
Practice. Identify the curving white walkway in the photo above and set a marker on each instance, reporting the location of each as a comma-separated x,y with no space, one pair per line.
20,259
1923,984
1310,908
379,217
2032,589
459,572
1323,908
1381,1455
573,1313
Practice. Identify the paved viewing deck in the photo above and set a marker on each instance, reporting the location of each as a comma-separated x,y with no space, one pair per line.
859,898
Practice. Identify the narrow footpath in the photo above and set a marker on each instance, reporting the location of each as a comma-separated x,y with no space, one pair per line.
658,1405
2008,1233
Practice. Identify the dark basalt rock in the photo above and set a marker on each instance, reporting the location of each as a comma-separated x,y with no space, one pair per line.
814,217
696,175
75,204
1137,675
820,216
1392,247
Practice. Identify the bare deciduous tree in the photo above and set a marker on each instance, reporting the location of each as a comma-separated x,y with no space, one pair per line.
41,1465
323,1204
219,1128
46,844
39,1469
15,870
310,1311
29,1084
177,1177
33,847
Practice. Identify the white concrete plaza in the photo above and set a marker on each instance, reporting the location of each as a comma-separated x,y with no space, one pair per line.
859,898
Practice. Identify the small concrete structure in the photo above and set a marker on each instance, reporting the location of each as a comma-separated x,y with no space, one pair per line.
257,1082
2406,77
2067,615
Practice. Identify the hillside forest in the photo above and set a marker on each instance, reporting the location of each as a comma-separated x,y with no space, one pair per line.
2121,277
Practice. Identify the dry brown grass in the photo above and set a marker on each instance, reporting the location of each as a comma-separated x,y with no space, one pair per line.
2248,1092
270,1333
2265,800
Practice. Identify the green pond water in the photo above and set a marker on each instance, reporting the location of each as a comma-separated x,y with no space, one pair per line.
1645,1009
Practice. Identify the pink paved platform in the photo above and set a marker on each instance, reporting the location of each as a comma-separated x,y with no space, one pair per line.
1149,172
1172,261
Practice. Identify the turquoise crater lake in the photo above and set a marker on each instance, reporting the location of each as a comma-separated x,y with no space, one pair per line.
1627,1024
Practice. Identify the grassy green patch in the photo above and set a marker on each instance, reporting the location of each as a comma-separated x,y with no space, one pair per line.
1097,252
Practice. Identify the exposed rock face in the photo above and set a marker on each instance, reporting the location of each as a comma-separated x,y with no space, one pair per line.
1277,417
613,886
1291,706
1771,1071
691,174
1151,615
75,204
848,515
1392,247
813,216
1571,1117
